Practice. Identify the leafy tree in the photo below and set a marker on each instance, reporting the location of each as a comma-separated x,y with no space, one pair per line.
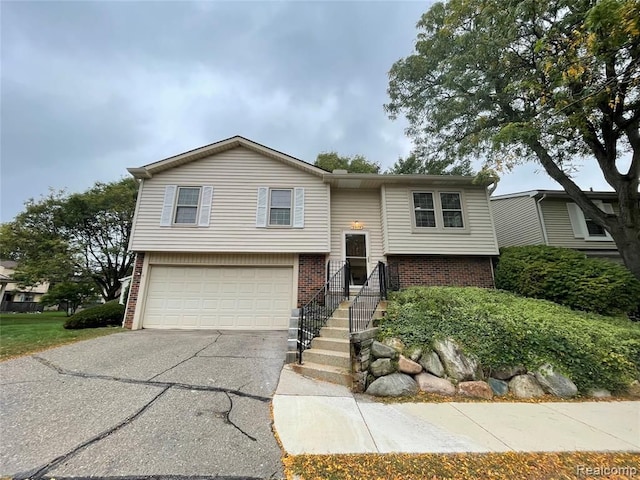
331,161
71,293
60,237
414,164
556,82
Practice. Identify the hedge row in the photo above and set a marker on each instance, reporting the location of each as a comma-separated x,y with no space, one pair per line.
569,278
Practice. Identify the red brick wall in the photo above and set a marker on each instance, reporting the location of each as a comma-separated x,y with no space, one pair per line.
133,291
311,275
432,270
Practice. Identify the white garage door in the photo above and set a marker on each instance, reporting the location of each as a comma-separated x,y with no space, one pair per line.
218,297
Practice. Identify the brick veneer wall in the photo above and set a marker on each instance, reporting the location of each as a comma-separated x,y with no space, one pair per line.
133,291
433,270
311,276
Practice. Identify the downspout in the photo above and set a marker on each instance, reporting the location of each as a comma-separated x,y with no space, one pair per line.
541,218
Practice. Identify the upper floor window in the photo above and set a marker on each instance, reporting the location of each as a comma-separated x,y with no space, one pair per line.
280,207
438,210
584,226
187,205
424,209
451,210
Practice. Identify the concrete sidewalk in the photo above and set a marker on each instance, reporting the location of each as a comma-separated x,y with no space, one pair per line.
321,418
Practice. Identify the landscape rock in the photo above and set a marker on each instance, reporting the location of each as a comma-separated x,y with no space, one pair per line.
525,386
432,364
457,365
599,393
477,389
394,385
432,384
415,354
634,389
408,366
499,387
394,343
555,383
507,373
382,366
380,350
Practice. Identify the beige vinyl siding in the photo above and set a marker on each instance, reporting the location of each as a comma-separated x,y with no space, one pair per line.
349,205
235,176
478,239
559,231
225,259
517,221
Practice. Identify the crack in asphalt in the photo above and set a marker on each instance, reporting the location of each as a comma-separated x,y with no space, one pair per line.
227,419
188,358
38,474
153,383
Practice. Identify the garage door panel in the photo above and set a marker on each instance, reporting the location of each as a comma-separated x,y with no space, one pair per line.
218,297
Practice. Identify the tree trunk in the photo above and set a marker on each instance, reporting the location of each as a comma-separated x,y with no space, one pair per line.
628,243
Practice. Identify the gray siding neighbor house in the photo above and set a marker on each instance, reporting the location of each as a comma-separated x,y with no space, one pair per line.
550,217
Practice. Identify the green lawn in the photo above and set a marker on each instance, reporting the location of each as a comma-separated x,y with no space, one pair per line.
22,333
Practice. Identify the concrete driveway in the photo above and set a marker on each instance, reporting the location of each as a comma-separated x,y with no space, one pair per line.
144,403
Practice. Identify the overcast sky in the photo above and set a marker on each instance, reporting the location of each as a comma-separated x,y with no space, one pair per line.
91,88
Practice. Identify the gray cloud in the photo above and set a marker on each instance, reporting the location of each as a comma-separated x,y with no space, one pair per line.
90,88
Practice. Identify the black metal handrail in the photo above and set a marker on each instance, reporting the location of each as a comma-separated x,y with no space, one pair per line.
314,315
365,303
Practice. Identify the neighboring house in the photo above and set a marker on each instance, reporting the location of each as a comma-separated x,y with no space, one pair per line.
234,235
550,217
15,297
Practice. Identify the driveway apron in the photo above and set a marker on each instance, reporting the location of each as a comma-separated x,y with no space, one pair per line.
147,403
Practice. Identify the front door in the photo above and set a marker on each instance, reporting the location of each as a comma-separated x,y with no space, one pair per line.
355,247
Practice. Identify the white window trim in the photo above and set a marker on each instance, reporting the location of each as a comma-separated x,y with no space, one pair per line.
170,206
437,205
291,207
582,230
176,205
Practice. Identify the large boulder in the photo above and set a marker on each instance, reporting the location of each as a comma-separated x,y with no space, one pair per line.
382,366
599,393
525,386
415,353
394,385
499,387
555,383
432,364
507,373
394,343
432,384
380,350
408,366
457,365
476,389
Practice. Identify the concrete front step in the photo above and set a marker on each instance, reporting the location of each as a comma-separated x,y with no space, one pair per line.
335,332
334,344
338,322
327,357
339,376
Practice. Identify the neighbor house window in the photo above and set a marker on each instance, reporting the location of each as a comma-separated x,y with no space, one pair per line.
280,207
451,210
593,229
187,205
424,209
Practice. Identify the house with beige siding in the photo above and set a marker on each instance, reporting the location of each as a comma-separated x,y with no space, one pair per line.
16,297
550,217
236,235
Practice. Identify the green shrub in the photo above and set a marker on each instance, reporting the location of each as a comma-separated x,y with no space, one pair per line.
110,313
569,278
503,329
